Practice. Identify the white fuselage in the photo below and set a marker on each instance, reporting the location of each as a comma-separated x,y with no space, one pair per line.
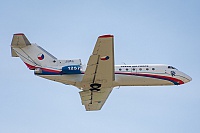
149,75
131,75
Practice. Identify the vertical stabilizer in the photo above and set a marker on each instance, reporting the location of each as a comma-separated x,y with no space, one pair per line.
31,54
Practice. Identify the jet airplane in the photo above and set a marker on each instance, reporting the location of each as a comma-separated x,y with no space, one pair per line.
100,76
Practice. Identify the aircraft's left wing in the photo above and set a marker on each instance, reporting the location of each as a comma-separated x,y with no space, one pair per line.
94,100
100,67
99,74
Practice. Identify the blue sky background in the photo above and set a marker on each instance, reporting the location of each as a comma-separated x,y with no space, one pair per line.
161,32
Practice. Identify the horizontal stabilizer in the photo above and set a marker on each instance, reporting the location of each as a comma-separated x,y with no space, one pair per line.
19,41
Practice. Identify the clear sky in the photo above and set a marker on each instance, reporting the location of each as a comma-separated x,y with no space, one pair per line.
146,31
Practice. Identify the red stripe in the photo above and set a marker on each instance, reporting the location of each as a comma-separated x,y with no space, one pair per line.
163,77
30,66
155,76
45,69
105,36
19,34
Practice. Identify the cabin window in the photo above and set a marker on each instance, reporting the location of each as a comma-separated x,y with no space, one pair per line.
147,69
120,69
133,69
126,69
153,68
140,69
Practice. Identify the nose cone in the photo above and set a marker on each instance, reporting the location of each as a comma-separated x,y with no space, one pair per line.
183,77
186,78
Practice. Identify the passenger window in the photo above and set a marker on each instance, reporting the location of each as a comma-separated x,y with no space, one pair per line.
133,69
120,69
126,69
147,69
153,68
140,69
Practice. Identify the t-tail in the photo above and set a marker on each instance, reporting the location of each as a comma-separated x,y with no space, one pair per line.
36,58
32,55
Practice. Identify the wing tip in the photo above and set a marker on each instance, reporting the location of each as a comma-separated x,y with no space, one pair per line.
17,34
106,36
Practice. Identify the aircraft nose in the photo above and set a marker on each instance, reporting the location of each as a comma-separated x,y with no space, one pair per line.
188,78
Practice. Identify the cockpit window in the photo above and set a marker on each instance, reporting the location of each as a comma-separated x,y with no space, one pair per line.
171,67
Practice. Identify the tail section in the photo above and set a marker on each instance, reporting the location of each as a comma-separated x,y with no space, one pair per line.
32,55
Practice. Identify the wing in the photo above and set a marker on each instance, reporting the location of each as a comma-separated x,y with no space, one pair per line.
94,100
100,70
100,67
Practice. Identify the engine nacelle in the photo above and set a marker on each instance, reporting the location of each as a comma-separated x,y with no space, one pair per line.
71,69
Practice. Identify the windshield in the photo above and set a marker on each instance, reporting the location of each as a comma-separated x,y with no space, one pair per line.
171,67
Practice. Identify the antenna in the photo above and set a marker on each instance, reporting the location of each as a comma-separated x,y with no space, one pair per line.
124,63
